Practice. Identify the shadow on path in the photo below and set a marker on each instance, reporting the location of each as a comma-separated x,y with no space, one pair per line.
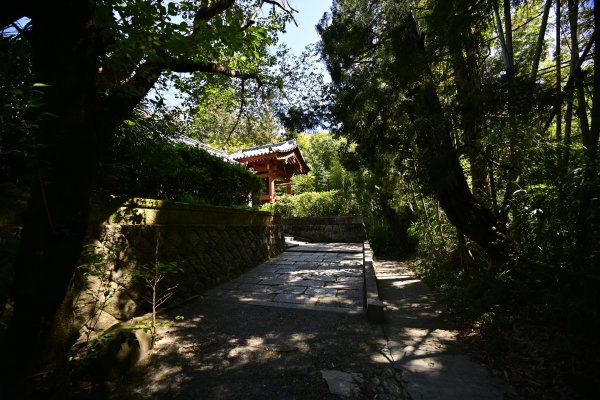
228,347
422,342
240,351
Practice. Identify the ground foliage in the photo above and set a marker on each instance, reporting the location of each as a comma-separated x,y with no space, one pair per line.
313,204
451,99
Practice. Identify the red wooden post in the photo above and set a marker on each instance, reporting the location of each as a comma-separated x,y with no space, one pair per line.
271,188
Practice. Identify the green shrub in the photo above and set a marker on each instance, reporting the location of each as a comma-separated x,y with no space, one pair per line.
156,168
314,204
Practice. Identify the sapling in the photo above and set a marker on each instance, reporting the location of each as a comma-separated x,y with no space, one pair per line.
92,299
152,275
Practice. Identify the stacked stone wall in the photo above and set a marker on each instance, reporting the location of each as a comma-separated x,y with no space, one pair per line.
347,229
206,245
204,255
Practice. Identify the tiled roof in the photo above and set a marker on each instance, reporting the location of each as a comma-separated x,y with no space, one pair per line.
211,150
280,147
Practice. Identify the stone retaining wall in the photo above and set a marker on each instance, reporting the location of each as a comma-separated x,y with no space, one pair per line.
347,229
206,244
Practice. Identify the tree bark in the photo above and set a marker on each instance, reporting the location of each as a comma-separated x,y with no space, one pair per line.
468,85
78,119
509,35
573,6
64,58
591,141
501,37
588,222
441,163
558,74
515,157
540,41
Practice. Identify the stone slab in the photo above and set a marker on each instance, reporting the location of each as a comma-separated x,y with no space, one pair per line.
294,289
311,291
341,383
327,280
327,247
349,293
310,307
294,298
307,282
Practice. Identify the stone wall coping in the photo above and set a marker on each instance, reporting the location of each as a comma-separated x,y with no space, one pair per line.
333,220
139,211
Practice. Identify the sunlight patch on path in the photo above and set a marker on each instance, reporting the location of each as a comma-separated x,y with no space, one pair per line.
311,276
421,342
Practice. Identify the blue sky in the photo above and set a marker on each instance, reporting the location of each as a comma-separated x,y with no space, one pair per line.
309,14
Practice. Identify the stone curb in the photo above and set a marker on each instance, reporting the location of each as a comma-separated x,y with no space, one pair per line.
373,305
343,310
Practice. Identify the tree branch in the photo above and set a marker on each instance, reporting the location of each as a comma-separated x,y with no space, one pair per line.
500,30
290,12
239,117
207,12
131,92
508,40
591,142
252,20
126,97
210,67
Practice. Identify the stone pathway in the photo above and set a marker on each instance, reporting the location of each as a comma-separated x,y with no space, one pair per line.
325,277
422,343
295,328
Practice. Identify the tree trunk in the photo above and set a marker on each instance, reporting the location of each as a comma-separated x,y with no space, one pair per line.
558,74
76,122
588,220
441,163
540,41
468,85
509,57
393,219
509,36
64,59
573,20
591,141
500,31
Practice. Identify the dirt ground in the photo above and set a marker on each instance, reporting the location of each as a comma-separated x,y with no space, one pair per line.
238,351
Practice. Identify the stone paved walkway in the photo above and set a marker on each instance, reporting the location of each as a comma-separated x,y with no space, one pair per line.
422,344
325,277
259,337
